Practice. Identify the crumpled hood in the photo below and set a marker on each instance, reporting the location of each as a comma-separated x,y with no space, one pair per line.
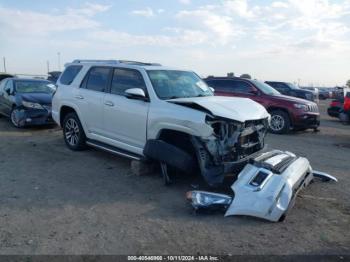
235,108
40,98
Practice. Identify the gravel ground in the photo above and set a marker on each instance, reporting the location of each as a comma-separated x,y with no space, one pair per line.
54,201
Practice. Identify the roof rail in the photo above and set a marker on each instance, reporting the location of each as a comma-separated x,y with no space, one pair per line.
79,61
138,63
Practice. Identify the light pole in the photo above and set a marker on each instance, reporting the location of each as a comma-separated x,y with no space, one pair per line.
59,60
4,58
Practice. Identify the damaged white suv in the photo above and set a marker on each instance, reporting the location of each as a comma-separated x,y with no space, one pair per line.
147,111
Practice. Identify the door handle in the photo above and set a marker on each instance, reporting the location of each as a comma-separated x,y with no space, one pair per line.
79,97
109,103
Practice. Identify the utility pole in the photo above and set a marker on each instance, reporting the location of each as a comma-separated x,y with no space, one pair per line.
48,65
4,58
59,60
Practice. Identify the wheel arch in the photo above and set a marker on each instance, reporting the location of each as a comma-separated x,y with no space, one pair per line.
177,138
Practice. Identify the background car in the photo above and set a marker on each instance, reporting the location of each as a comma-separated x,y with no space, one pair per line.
286,112
53,76
335,107
344,114
26,101
324,93
289,89
4,76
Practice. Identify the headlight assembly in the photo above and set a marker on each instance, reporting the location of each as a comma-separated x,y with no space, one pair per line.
32,105
302,107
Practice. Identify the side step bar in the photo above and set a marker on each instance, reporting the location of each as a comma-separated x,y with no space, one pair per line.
113,150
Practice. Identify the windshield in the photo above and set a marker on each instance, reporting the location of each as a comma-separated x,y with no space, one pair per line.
171,84
265,88
30,86
292,86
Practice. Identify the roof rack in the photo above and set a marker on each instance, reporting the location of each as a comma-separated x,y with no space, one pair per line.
79,61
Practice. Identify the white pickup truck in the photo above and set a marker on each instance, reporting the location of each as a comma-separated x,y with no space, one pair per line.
147,111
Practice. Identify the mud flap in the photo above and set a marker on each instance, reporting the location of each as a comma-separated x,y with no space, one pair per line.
169,154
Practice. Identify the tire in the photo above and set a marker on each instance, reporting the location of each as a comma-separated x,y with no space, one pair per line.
13,117
280,122
73,132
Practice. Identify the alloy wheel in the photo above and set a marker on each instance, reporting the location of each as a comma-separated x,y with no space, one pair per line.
72,132
14,118
277,123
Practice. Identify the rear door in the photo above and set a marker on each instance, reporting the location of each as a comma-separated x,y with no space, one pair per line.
89,98
125,120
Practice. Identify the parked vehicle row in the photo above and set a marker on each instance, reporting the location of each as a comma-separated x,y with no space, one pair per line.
286,112
290,89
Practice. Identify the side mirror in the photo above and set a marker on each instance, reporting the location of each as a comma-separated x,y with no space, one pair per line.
135,93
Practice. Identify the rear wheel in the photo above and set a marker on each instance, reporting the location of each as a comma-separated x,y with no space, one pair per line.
280,123
73,132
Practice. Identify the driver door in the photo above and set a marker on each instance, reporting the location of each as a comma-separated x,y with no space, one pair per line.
125,120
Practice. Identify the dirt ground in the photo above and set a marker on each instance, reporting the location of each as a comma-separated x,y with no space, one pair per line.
54,201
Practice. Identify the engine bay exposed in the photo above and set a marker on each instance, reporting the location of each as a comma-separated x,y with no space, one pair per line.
231,145
233,141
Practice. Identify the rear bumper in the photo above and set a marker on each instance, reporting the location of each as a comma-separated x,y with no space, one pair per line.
34,117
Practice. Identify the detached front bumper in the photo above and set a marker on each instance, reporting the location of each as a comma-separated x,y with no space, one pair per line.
34,117
266,188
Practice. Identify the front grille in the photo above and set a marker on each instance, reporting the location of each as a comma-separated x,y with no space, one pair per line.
313,108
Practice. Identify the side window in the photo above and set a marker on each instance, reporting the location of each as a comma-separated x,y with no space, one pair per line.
69,74
9,85
2,85
280,87
124,79
218,85
98,79
241,87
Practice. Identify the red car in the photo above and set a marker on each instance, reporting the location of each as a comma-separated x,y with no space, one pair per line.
344,115
286,112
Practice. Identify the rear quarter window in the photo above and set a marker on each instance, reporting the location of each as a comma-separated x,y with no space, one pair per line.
69,74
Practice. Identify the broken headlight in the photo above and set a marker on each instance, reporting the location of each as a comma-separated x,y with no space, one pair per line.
32,105
205,200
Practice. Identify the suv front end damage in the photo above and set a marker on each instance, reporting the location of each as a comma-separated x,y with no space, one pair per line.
230,146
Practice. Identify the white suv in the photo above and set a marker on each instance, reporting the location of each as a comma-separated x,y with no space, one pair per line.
147,111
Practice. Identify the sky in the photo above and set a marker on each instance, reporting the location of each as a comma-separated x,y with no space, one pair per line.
303,41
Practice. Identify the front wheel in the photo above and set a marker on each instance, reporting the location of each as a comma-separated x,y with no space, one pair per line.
14,117
73,132
280,123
